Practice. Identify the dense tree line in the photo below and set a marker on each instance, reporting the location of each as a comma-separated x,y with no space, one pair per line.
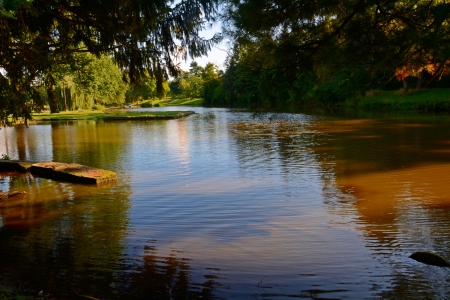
300,52
284,53
198,82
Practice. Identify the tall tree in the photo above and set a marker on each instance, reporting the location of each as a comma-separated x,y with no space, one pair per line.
141,36
339,42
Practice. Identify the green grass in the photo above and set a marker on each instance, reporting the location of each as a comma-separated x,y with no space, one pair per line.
177,102
86,115
422,100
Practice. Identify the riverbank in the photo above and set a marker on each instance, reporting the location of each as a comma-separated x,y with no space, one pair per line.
426,100
111,114
173,102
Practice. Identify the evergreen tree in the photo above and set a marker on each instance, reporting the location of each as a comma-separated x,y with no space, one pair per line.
143,37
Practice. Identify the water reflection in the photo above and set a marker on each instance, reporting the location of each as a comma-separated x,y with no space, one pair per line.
228,204
60,236
398,171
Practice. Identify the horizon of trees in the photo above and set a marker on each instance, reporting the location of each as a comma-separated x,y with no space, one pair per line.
297,53
197,82
284,53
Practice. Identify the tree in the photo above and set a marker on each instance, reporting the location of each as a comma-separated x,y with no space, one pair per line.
342,45
195,69
211,81
95,81
143,37
144,90
188,84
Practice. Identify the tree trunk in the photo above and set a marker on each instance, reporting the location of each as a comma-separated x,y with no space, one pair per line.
405,85
420,80
52,100
65,99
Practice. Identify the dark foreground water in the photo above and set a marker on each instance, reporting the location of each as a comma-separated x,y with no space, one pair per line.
231,205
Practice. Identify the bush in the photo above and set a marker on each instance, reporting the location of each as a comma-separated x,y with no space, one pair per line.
98,107
146,104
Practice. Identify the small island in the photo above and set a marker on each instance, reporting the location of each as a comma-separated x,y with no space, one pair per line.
112,114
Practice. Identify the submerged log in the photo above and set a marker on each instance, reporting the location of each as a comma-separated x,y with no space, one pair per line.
430,258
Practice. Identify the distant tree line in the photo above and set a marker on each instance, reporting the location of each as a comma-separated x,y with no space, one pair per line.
198,82
301,53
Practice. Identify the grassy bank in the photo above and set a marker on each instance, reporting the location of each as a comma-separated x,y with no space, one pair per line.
422,100
174,102
112,114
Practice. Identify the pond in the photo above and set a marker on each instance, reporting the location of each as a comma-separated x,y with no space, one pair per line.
231,204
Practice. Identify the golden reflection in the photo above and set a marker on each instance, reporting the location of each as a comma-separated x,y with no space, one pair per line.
178,141
397,172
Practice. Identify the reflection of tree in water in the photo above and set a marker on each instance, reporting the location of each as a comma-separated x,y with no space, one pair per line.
67,240
63,238
167,277
394,170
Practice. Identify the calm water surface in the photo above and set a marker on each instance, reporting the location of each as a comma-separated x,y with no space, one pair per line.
227,204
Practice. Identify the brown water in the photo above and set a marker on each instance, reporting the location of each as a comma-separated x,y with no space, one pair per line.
226,204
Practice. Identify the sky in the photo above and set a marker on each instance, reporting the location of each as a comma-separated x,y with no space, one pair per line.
217,55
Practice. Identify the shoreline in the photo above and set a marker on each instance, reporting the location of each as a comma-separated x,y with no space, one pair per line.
111,116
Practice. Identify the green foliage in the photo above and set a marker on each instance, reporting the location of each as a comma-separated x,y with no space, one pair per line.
89,81
423,100
98,107
142,37
146,89
146,104
195,69
295,53
187,85
340,87
6,157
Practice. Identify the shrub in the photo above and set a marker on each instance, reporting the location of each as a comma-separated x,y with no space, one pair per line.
146,104
98,107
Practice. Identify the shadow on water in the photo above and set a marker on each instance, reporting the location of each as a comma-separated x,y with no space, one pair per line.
68,241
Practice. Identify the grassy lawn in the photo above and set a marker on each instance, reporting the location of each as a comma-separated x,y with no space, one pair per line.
177,102
423,100
85,115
